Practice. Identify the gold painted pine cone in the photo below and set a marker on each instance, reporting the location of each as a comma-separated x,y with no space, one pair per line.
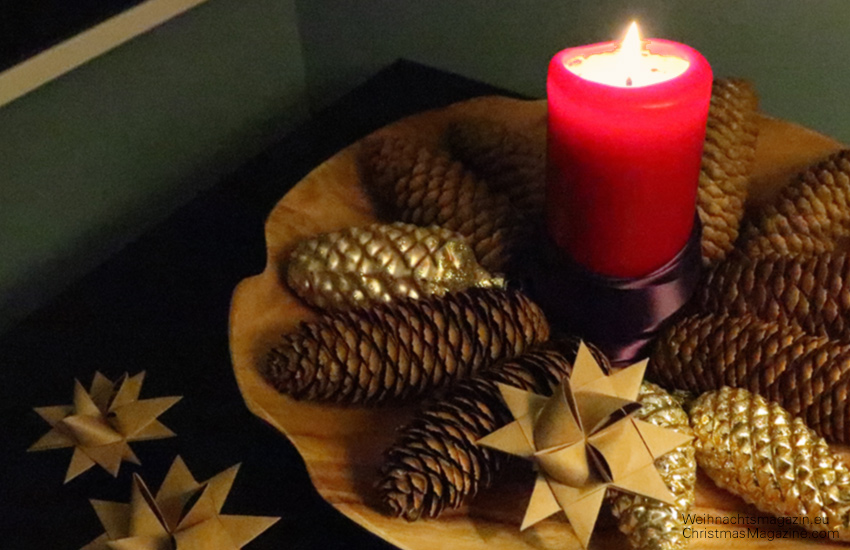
727,158
760,452
650,524
511,161
413,184
809,216
361,266
434,463
811,291
403,349
808,375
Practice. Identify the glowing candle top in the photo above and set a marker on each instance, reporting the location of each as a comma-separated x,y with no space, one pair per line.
629,64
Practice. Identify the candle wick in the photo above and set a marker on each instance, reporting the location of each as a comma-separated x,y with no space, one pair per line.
629,81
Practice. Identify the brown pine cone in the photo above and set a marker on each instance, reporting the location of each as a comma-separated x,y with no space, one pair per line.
415,185
435,463
809,215
403,349
757,451
648,523
727,158
812,291
808,375
512,162
360,266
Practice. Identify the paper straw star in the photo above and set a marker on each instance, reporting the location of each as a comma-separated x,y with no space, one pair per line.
184,515
584,439
102,422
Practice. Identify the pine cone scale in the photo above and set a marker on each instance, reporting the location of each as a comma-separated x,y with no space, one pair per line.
804,373
809,216
651,524
759,451
403,349
429,188
358,266
440,443
511,161
728,154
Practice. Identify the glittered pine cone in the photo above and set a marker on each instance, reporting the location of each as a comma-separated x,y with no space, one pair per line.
650,524
435,464
809,215
512,161
727,158
760,452
414,184
360,266
804,373
403,349
812,291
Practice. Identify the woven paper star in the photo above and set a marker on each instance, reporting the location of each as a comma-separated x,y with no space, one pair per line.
584,440
184,515
101,423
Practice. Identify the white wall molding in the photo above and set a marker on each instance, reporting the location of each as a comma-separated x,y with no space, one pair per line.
87,45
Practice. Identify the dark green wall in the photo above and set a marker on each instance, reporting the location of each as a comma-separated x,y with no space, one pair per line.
88,161
795,51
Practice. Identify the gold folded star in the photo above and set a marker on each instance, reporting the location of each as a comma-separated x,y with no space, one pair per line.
101,423
184,515
583,440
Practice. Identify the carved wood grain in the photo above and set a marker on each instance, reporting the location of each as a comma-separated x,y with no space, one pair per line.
342,446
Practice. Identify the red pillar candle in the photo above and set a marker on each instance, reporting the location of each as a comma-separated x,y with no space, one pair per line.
626,131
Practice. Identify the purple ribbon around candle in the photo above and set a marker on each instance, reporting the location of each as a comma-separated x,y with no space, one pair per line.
621,316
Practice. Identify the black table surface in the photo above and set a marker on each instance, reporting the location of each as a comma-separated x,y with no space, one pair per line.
161,306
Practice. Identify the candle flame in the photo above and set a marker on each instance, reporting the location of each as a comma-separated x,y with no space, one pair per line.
629,53
631,42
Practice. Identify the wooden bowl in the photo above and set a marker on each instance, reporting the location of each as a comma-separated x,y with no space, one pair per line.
342,446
